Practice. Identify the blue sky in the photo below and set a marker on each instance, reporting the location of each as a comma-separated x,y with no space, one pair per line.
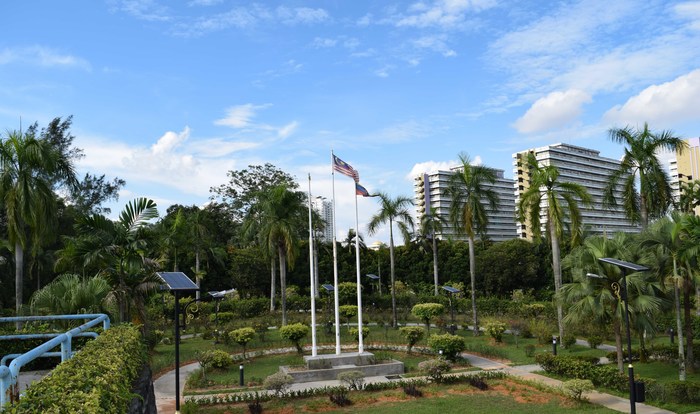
170,95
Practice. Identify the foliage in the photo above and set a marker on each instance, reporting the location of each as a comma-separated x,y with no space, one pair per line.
413,335
427,311
353,379
347,293
355,333
568,341
71,294
541,330
495,329
576,387
594,341
242,336
347,312
435,369
450,345
529,350
295,333
278,382
339,397
98,379
507,266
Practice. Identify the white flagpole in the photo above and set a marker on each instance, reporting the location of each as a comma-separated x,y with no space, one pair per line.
313,284
360,346
335,269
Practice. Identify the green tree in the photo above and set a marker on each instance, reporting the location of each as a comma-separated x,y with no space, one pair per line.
393,210
646,192
430,225
71,294
118,252
242,336
560,201
427,311
28,168
471,192
690,196
600,300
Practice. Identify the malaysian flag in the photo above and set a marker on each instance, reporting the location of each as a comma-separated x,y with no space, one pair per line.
345,168
360,190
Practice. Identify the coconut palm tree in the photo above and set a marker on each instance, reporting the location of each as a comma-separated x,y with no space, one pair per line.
560,202
349,241
28,167
430,225
393,210
279,218
690,234
471,194
599,300
646,192
116,250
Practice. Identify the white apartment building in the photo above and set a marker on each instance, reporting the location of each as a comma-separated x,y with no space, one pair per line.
325,209
582,166
431,192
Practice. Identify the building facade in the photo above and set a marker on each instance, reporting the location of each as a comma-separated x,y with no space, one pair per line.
581,166
324,208
431,192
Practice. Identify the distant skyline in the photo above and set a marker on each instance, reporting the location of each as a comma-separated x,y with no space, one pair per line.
171,95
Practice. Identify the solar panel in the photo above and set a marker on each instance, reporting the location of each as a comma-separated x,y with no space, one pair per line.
373,277
177,281
623,264
329,288
451,289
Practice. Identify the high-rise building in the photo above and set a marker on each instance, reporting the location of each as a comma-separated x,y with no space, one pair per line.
684,167
325,209
581,166
431,192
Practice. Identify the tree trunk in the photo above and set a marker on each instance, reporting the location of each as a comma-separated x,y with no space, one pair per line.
643,214
435,264
394,317
472,274
689,357
197,275
19,280
283,283
273,280
618,346
556,269
679,326
175,262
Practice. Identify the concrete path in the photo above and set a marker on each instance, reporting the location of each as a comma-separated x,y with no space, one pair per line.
165,386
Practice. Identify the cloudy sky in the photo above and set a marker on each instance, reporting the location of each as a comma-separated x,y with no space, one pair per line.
170,95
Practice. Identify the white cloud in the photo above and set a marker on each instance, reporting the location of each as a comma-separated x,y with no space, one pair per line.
674,101
323,42
169,141
553,111
442,13
42,56
204,3
287,130
239,116
436,43
148,10
689,11
304,15
430,167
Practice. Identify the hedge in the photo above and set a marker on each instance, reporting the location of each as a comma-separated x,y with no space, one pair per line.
98,379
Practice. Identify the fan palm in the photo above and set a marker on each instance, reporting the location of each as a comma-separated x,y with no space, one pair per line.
690,196
471,191
71,294
393,210
560,202
28,166
646,192
430,225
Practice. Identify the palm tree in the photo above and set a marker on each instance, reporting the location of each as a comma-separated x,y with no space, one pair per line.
430,225
560,201
71,294
599,300
471,192
350,241
198,235
666,247
393,210
28,166
690,234
278,220
650,196
690,196
117,252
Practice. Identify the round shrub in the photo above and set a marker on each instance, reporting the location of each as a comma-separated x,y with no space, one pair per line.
576,387
495,330
451,345
353,379
219,359
242,336
413,335
278,382
356,333
435,369
347,311
295,333
427,311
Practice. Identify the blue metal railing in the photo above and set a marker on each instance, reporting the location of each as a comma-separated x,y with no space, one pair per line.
9,375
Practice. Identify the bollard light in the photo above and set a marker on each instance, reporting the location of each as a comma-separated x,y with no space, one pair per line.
554,346
240,372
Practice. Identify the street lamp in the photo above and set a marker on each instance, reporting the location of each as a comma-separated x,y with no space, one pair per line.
374,278
450,291
624,266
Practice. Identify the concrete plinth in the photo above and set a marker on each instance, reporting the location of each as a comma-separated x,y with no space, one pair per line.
327,367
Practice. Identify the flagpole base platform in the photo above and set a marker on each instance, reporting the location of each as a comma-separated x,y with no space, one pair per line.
326,367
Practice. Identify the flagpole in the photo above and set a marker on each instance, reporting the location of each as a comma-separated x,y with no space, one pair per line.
335,268
360,346
313,284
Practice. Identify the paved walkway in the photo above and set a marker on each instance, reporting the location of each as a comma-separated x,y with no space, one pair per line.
165,386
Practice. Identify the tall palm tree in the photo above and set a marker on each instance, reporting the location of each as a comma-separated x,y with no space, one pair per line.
690,196
666,246
471,194
200,240
393,210
645,188
117,252
430,225
28,167
560,201
279,219
599,300
350,241
690,234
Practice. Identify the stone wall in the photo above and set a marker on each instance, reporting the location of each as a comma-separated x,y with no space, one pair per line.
145,401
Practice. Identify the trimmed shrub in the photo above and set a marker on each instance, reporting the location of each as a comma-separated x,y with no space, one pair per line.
98,379
542,331
222,317
295,333
242,336
529,350
569,341
278,382
451,345
348,312
413,335
495,329
353,379
576,387
427,311
435,369
594,341
356,333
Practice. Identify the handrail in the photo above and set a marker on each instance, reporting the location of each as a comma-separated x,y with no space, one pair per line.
9,375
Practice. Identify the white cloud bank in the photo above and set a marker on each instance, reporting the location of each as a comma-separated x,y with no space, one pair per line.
553,111
664,104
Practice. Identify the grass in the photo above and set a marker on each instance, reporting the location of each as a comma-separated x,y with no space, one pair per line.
503,396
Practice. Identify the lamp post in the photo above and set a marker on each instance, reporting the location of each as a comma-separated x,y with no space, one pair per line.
624,266
450,291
